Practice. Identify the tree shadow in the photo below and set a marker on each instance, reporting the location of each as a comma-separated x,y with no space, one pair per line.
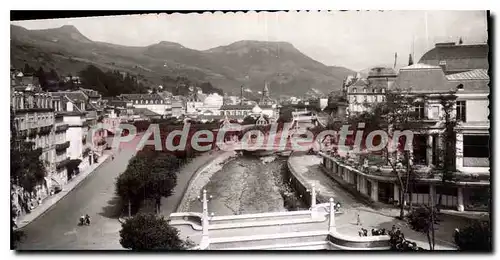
114,208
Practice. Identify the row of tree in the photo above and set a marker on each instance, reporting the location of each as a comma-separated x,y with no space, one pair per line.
110,83
149,175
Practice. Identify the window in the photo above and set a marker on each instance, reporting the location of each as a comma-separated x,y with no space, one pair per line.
461,111
460,87
364,90
374,90
354,90
420,111
476,150
383,90
420,149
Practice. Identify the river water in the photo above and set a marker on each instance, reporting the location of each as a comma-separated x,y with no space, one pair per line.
250,184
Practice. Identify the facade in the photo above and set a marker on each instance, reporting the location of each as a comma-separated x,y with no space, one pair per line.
470,188
178,107
81,112
35,120
362,93
153,102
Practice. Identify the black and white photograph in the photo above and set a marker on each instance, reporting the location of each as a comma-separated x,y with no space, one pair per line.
251,130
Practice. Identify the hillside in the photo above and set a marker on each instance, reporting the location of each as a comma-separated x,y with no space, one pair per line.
248,63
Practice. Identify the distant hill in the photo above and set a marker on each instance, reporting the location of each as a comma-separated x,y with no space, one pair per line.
249,63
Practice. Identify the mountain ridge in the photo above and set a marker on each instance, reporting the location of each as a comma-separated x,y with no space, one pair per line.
245,62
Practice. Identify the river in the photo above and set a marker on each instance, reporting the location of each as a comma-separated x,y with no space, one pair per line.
250,184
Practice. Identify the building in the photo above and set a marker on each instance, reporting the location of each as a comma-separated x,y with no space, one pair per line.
464,76
178,107
472,111
153,102
81,113
363,93
34,119
237,111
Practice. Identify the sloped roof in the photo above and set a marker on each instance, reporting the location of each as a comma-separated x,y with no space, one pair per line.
422,80
479,74
141,96
360,83
458,57
145,112
74,96
382,72
474,81
237,107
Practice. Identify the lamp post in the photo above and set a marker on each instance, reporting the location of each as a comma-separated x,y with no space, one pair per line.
313,192
331,225
205,241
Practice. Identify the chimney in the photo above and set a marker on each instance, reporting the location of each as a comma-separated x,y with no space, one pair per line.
442,64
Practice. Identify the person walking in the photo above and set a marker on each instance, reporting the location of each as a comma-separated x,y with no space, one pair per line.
358,218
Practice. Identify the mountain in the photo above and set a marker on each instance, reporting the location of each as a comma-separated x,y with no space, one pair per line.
249,63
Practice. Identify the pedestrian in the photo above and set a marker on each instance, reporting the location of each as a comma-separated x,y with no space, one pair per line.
358,219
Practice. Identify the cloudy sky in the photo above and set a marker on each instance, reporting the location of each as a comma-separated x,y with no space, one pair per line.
356,40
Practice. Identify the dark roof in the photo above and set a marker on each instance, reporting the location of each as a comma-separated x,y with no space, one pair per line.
141,96
458,57
422,79
145,112
236,107
360,83
381,72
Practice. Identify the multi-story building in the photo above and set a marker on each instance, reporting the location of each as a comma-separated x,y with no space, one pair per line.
34,121
363,93
459,70
153,102
81,112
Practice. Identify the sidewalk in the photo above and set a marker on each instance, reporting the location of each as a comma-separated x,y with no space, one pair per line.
52,200
309,168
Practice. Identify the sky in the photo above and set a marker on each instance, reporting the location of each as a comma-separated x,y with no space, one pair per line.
353,39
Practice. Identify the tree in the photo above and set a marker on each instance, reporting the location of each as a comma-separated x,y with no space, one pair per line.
475,237
149,175
396,113
150,232
53,74
448,141
42,78
162,178
286,115
28,70
423,220
26,168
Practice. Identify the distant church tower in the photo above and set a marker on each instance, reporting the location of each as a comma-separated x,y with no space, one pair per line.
265,92
265,99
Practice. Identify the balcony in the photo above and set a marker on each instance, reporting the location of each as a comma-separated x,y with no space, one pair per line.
62,163
62,128
63,146
45,130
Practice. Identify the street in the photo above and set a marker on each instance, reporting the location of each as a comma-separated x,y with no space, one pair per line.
57,228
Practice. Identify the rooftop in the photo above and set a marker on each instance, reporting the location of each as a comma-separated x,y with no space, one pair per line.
458,57
478,74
